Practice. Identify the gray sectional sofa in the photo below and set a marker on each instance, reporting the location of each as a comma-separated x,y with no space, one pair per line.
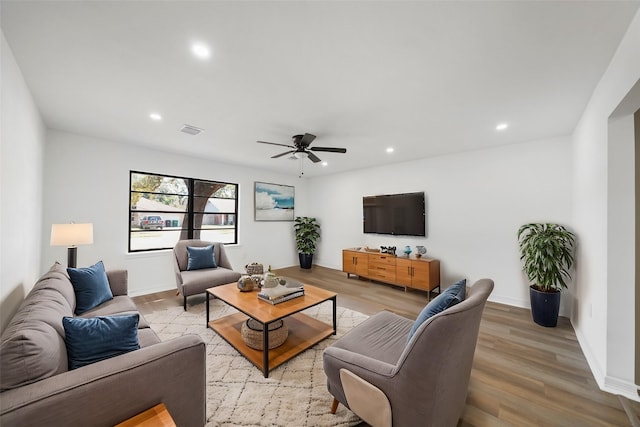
37,388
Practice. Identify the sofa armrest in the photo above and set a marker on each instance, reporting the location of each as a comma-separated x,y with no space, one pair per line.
108,392
118,282
337,358
366,400
176,269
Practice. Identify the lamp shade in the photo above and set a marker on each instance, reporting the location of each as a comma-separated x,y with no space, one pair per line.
71,234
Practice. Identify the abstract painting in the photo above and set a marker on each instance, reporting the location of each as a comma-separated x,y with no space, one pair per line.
274,202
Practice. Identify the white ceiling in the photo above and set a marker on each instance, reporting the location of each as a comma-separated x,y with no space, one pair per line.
425,77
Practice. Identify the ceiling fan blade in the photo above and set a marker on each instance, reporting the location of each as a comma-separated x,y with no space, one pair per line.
307,139
329,149
283,154
275,143
313,157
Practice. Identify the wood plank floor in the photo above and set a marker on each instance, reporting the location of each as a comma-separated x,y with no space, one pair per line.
523,374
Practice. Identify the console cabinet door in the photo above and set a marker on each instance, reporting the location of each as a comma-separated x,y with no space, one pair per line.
349,262
421,275
403,272
355,262
362,264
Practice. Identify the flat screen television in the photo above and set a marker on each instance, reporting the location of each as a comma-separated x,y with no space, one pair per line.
397,214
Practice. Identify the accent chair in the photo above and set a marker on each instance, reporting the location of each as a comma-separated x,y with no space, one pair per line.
387,377
193,281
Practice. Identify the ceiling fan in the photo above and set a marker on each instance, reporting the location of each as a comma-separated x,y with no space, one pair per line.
301,148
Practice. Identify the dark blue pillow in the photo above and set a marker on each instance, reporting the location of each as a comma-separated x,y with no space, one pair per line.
448,298
90,285
462,289
201,257
93,339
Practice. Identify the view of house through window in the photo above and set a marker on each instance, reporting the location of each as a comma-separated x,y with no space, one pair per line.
164,209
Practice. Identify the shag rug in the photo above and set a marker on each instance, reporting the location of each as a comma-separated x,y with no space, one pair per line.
295,394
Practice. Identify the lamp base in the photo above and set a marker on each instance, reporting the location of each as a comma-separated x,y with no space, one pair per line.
72,255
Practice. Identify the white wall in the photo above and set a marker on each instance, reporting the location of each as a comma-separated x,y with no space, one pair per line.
605,296
621,241
87,180
475,203
21,149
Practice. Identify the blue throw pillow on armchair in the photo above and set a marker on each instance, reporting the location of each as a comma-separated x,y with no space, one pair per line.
201,257
448,298
90,340
90,285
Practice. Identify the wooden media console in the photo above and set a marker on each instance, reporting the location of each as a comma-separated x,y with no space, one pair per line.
409,272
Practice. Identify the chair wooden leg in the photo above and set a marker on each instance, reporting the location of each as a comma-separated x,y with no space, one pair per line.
334,405
184,304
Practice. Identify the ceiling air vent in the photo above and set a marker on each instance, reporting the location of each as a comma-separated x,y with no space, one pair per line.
191,130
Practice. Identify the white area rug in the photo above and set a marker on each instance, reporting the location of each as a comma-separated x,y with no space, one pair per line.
294,395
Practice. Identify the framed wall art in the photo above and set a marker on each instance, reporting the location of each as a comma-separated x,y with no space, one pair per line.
273,202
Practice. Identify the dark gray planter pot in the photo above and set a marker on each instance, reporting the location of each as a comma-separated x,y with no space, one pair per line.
305,260
544,307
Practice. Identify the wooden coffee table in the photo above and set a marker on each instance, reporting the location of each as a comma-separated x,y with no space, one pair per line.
304,331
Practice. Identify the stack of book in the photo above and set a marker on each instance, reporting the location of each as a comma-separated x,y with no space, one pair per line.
281,293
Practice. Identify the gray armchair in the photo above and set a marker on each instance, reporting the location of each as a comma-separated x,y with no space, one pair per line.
386,380
193,282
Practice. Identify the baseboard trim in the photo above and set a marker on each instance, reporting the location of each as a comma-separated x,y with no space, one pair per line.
621,387
147,291
606,383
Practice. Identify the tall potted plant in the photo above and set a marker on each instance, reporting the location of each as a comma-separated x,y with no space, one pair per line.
547,254
307,234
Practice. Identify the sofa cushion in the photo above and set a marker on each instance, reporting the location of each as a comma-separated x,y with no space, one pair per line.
58,279
448,298
119,305
196,282
32,345
91,286
200,257
382,337
31,350
99,338
116,305
147,336
45,305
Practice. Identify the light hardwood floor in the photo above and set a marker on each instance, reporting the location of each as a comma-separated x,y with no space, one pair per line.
523,374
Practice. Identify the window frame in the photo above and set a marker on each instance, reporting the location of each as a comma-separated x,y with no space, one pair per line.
189,212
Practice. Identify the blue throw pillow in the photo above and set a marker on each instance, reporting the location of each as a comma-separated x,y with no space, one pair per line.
461,286
93,339
450,297
201,257
90,285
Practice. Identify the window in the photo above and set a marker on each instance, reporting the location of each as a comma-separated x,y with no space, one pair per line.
164,209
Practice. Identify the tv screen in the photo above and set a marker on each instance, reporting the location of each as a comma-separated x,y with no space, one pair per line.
397,214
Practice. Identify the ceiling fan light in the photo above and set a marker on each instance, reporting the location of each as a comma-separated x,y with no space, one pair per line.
300,154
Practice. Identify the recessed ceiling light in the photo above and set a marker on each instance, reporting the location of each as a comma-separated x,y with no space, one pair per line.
502,126
390,150
155,116
201,51
324,163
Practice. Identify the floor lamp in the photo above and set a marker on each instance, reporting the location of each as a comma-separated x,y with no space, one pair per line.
71,235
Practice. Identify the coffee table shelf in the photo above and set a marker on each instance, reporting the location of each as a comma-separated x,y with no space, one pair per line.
304,331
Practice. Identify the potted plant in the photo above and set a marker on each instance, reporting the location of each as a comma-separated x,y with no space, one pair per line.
547,254
307,234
